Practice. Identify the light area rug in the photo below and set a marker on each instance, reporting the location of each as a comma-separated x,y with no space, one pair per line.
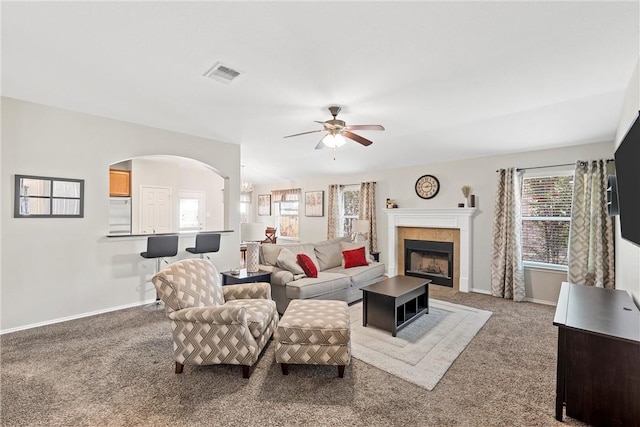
422,352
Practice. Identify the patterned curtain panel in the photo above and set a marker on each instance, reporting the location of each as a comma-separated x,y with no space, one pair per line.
285,195
507,272
368,211
591,257
333,211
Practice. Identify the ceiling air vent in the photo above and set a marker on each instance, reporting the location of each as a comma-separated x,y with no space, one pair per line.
222,73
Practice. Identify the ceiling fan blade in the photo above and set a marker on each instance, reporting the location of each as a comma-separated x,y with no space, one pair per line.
304,133
326,125
320,144
364,127
356,138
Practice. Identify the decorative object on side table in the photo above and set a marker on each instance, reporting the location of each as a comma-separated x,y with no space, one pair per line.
252,233
427,186
360,230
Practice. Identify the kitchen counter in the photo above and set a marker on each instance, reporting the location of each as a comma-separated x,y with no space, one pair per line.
179,233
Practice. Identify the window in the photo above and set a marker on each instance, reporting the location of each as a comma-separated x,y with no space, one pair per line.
546,217
286,204
188,213
245,205
191,205
349,207
38,196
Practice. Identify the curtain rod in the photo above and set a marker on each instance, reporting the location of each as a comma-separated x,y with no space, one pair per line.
551,166
345,185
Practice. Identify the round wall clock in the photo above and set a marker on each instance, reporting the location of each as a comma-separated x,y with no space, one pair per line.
427,186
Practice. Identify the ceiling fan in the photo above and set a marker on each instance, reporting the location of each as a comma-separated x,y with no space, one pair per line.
337,130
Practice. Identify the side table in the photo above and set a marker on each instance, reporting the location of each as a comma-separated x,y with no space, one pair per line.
245,277
376,256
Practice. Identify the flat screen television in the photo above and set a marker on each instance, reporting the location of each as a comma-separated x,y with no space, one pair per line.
627,158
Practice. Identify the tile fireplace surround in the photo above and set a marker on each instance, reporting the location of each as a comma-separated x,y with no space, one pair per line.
459,218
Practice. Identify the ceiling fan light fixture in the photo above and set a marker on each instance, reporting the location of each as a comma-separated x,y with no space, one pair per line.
334,140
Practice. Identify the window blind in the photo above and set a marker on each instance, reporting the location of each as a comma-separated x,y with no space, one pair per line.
546,216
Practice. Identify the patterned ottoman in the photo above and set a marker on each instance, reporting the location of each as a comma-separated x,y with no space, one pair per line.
314,332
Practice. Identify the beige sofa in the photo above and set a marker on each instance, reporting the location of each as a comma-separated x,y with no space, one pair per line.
289,282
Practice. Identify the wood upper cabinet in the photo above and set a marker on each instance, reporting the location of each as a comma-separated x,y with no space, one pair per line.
119,183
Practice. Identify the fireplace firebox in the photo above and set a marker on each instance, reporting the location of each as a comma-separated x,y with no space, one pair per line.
429,260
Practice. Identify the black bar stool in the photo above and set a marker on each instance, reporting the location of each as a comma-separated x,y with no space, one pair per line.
159,247
205,243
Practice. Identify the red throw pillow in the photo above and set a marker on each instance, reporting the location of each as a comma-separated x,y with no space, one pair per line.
354,257
307,265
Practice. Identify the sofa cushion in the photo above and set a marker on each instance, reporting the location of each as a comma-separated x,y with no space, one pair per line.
310,288
354,257
307,265
287,261
359,275
352,245
269,254
329,253
281,277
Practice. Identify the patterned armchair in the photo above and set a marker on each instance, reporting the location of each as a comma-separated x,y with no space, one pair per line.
213,324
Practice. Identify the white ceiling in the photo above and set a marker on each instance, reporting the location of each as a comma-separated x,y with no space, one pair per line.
448,80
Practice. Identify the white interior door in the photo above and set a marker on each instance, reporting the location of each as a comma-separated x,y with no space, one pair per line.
155,212
191,207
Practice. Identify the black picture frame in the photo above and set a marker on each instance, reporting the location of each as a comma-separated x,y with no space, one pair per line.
48,197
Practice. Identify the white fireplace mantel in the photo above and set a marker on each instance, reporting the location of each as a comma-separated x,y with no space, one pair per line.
460,218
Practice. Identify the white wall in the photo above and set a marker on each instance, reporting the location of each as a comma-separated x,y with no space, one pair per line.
628,254
63,267
480,174
179,175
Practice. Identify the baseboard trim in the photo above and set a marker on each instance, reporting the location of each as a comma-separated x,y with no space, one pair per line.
481,291
75,316
540,301
527,299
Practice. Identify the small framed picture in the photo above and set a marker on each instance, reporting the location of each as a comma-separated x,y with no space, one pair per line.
264,204
314,203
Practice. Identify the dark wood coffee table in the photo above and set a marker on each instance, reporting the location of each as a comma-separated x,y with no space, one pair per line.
395,302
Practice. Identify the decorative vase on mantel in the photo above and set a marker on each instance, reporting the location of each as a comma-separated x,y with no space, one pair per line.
471,201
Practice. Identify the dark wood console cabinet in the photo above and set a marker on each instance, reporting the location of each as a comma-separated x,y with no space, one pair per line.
598,373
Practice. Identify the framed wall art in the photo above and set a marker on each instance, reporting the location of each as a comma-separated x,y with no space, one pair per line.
47,197
314,203
264,204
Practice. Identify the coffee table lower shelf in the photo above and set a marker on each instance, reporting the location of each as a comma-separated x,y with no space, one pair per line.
395,302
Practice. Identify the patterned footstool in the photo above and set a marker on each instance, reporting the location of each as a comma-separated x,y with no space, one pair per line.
314,332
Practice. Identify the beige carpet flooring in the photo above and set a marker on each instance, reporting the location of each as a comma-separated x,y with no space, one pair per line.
116,369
